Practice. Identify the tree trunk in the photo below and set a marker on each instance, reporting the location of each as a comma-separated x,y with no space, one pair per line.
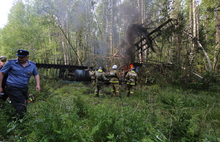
104,20
194,35
112,27
139,11
76,45
87,32
171,52
64,54
190,22
217,38
200,45
197,22
194,18
67,35
166,51
142,11
178,38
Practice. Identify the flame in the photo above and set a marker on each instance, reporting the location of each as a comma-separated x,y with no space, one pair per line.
130,66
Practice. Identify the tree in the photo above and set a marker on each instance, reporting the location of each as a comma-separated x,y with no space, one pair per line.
217,23
112,27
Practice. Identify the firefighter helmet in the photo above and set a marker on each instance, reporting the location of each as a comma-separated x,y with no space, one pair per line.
114,67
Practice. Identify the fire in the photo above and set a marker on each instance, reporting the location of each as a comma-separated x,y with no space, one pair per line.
131,66
128,69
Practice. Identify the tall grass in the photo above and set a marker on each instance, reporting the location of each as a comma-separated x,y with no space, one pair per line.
69,112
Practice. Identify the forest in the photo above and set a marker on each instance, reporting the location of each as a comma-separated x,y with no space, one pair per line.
176,99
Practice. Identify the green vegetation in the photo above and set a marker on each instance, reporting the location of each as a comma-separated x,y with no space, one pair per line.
179,102
69,112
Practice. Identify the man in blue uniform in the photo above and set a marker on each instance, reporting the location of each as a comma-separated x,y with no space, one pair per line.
19,71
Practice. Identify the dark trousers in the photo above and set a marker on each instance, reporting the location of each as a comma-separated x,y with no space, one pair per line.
115,89
18,97
99,90
5,96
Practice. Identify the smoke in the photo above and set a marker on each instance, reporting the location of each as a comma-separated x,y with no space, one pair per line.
75,14
101,52
78,14
127,45
127,12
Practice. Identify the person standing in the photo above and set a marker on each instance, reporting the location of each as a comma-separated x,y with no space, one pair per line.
131,78
19,71
100,82
114,75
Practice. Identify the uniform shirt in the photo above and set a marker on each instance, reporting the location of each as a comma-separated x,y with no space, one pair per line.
114,76
131,77
100,77
18,75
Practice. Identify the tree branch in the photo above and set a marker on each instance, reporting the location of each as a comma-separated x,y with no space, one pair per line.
195,40
59,25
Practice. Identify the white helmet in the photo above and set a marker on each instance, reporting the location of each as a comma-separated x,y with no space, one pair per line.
114,67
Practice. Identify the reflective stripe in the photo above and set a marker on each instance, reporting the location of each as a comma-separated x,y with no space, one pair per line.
131,83
114,81
128,83
100,94
112,90
117,91
131,92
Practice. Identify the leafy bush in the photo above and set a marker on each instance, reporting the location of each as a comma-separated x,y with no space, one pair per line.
6,113
69,112
82,109
210,81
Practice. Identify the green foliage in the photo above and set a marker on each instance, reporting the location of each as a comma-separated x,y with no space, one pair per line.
6,113
82,110
210,81
68,112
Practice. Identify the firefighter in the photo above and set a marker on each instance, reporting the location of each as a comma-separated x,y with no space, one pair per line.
131,79
100,82
114,75
92,74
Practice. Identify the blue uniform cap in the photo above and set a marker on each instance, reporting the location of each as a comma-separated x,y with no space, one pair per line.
22,53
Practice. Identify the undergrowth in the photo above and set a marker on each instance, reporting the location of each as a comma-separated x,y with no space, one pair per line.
70,112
